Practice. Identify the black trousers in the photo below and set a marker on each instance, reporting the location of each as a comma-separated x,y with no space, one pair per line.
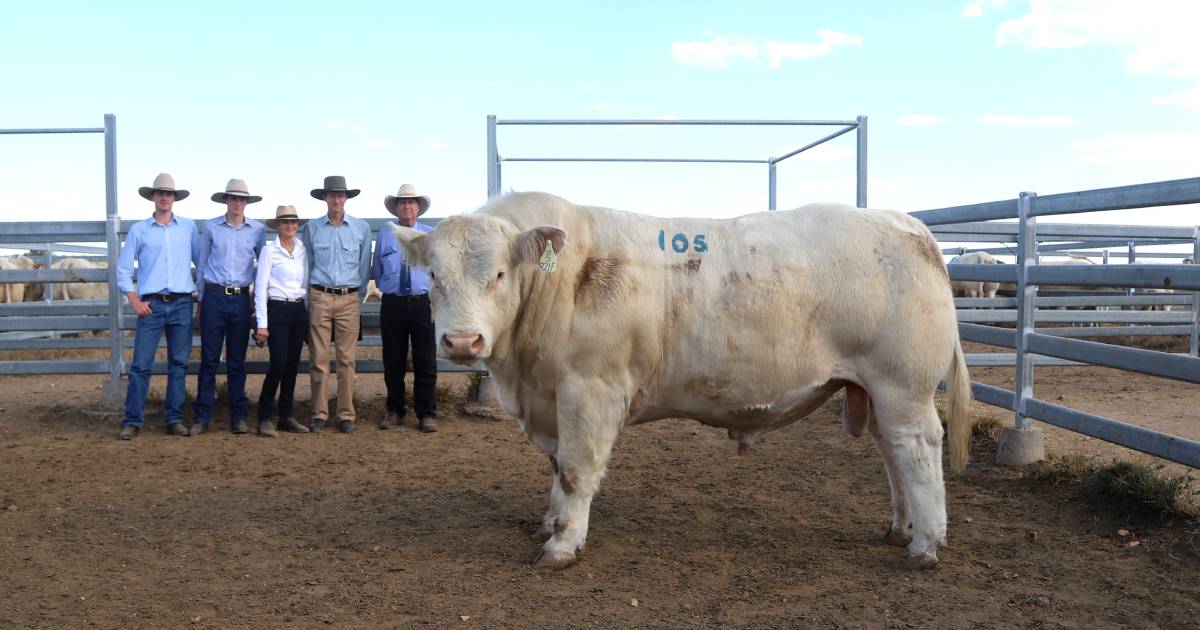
287,323
405,321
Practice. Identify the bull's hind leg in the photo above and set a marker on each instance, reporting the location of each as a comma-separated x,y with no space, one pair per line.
900,532
546,530
589,419
911,434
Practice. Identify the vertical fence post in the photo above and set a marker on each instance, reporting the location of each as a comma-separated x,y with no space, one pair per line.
861,171
771,184
113,393
1196,295
1022,444
1129,260
47,288
1106,256
493,159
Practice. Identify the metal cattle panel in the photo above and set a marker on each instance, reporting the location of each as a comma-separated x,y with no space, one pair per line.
1174,448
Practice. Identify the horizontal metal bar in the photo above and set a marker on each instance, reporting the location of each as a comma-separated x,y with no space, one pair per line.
1124,233
1141,299
53,275
1004,209
7,132
1155,194
1174,448
1180,367
655,160
1004,315
60,248
815,143
1009,359
991,273
655,121
362,366
1070,248
992,395
1180,277
1003,337
1117,331
65,343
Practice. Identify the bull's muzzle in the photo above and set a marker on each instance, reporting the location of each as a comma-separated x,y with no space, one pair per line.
463,348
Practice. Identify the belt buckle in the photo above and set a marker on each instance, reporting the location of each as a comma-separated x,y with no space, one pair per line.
232,290
340,290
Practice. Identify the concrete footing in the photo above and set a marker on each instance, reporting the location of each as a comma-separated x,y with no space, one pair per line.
487,392
1020,447
112,393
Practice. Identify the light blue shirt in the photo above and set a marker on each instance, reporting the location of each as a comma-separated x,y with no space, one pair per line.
227,253
339,255
388,266
164,255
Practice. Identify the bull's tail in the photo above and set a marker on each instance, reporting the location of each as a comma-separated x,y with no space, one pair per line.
958,405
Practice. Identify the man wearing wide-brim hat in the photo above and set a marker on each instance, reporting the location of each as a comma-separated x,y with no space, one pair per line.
230,245
164,247
339,248
405,316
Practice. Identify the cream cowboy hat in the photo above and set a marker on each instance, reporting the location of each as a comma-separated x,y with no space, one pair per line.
163,182
407,192
334,183
236,188
285,212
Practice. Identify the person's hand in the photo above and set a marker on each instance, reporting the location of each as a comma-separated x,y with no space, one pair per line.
260,336
140,308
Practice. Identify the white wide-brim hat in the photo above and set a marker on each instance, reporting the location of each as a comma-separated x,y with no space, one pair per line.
407,192
285,212
236,188
164,181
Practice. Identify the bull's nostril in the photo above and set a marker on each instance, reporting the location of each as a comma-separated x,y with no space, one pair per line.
477,344
446,343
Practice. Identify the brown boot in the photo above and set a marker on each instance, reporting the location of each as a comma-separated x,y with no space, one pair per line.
266,428
427,424
393,419
291,425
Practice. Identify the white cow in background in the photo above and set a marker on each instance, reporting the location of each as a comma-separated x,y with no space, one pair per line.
974,289
592,319
80,290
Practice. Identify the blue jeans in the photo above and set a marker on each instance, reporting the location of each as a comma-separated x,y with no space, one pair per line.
224,320
174,317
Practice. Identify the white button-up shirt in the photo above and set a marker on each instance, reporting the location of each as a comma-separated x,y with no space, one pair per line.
281,275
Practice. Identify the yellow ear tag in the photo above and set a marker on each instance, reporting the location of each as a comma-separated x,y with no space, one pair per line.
548,262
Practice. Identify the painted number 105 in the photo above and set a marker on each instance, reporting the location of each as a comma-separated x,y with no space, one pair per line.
680,243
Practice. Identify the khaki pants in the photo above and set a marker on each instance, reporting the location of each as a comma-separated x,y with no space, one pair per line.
334,316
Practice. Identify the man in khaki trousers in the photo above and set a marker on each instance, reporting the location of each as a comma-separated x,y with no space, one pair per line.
339,259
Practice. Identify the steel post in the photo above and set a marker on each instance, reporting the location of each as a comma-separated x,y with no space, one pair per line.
861,175
493,159
1196,298
771,184
116,362
1027,256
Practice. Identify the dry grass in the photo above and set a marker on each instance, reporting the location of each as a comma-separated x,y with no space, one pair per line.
1122,487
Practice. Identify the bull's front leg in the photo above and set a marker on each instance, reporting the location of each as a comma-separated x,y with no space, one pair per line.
546,530
590,415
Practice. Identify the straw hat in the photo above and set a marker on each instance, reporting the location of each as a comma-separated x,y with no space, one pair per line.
236,188
334,183
407,192
285,212
164,181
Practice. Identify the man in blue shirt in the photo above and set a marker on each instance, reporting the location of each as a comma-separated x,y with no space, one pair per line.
404,314
164,248
230,245
339,262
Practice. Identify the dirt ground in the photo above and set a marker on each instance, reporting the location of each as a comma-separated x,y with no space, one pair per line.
398,529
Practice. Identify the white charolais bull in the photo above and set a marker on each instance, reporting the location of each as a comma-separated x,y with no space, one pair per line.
974,289
591,319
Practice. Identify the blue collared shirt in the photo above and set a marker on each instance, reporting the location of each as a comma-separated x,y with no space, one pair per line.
227,253
164,255
388,264
339,255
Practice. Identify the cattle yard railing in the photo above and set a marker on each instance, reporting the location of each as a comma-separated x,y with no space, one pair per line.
1022,443
859,125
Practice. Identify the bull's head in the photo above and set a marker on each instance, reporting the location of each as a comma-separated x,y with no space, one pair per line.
476,265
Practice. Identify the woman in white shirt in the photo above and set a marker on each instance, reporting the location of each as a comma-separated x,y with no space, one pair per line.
280,290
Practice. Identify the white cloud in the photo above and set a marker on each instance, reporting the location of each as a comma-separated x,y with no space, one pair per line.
358,128
1160,35
720,51
440,146
715,53
1027,121
922,120
974,9
1187,99
1168,154
380,143
601,106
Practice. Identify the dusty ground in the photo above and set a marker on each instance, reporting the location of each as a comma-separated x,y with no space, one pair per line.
398,529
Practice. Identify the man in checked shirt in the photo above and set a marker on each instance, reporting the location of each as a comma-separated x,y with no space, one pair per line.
339,248
230,245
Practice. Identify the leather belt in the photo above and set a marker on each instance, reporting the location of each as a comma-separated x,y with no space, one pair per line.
209,286
165,297
335,290
286,300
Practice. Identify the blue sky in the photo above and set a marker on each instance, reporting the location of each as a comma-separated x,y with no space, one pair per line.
967,100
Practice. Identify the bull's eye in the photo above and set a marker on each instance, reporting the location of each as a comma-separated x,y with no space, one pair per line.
499,276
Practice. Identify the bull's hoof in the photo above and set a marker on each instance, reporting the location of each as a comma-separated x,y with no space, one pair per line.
544,533
898,538
923,562
554,559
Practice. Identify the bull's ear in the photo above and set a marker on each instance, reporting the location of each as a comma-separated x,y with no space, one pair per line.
532,243
413,243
